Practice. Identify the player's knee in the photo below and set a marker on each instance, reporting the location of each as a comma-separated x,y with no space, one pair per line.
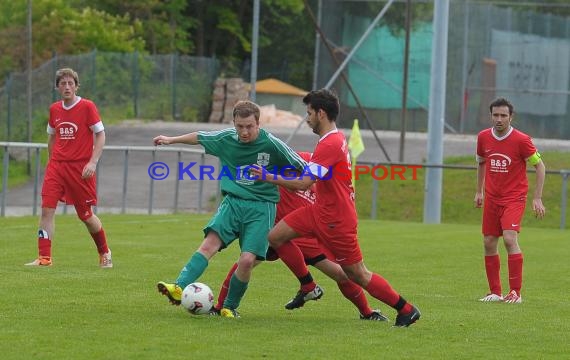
247,261
84,214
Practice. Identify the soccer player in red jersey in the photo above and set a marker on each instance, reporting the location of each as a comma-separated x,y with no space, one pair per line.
332,218
502,154
76,137
314,253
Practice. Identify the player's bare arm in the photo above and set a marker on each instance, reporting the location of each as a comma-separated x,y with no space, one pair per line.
478,201
91,167
50,142
189,139
537,206
298,183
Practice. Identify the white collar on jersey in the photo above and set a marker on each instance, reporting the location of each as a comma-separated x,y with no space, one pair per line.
327,134
78,99
504,136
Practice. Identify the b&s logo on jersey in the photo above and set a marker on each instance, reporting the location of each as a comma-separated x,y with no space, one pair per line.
499,163
67,130
308,195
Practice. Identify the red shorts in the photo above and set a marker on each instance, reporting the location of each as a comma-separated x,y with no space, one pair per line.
63,181
339,237
498,218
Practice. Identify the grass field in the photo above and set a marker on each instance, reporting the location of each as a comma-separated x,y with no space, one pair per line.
74,310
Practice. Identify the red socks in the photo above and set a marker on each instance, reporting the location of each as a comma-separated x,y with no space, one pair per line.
100,241
356,295
379,288
44,244
515,263
493,270
292,256
225,288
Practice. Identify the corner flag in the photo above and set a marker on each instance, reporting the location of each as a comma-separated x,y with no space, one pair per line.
355,145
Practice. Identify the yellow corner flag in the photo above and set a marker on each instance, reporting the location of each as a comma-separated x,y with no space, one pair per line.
355,145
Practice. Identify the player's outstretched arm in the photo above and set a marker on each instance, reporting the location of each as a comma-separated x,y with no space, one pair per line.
189,139
302,182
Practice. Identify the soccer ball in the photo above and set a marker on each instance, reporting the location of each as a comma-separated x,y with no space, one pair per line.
197,298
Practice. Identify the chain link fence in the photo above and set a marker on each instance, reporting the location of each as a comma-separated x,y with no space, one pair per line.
492,51
124,86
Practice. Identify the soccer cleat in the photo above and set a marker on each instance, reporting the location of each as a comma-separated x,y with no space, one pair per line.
405,320
302,297
513,298
491,298
172,291
375,315
214,312
41,261
105,260
229,313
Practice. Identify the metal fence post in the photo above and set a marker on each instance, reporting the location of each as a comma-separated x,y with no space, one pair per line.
94,75
97,177
374,206
5,166
177,182
565,174
135,74
9,108
125,177
54,94
36,182
151,189
173,63
201,185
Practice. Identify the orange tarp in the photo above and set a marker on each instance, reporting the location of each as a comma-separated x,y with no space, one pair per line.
274,86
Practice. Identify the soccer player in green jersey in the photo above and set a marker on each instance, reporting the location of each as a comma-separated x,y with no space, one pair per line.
248,209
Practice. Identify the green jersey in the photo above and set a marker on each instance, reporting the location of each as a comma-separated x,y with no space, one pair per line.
236,157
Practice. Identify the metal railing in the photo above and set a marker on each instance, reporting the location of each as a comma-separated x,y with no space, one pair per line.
127,150
565,174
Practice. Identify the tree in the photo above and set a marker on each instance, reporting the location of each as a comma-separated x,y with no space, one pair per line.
166,24
63,27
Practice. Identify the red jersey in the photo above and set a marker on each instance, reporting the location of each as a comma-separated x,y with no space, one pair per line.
331,163
505,164
290,200
73,128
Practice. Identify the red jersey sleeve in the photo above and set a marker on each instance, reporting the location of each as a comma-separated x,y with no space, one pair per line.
526,147
92,117
327,154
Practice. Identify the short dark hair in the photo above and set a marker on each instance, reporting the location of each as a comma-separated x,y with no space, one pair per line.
323,99
246,108
502,102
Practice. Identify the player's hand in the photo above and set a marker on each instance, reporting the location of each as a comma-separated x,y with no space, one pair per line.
538,208
89,170
256,172
478,201
161,140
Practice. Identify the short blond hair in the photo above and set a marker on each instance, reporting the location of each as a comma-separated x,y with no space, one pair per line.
246,108
61,73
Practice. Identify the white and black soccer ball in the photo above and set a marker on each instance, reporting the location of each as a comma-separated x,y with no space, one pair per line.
197,298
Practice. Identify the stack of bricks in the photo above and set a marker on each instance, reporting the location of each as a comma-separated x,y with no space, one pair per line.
226,93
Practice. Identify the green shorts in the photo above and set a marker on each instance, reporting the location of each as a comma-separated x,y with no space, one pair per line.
248,220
